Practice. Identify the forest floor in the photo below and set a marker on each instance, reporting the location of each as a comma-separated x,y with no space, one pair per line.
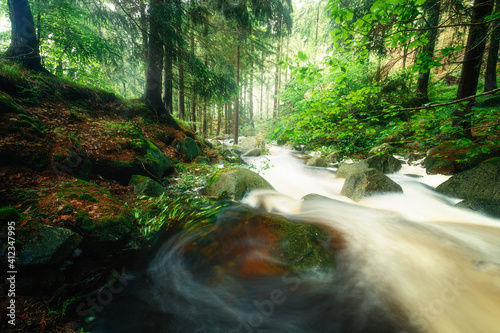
47,124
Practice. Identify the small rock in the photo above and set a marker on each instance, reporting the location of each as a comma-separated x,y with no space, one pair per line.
317,162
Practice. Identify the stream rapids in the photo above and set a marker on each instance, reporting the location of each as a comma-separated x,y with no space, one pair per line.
408,263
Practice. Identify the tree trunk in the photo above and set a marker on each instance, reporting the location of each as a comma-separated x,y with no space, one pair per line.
490,78
276,80
193,112
182,112
262,88
154,68
250,102
237,99
204,117
471,67
433,9
219,118
168,88
24,43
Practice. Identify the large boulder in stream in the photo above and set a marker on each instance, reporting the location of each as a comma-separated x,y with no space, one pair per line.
249,143
236,184
240,240
253,152
366,183
483,206
481,182
384,162
347,169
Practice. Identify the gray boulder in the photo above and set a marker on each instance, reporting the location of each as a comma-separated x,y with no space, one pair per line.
481,182
333,157
384,162
347,169
253,152
435,166
231,156
236,184
317,162
249,143
483,206
50,246
367,183
189,149
385,147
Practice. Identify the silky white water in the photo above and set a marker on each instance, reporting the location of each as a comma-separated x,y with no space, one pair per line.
435,264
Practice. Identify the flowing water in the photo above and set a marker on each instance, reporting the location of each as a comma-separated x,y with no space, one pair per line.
407,263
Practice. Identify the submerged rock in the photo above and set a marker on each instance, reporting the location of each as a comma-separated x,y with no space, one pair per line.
367,183
236,184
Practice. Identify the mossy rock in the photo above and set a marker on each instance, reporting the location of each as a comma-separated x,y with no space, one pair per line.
230,233
47,246
483,206
146,186
29,127
104,232
152,163
189,149
236,184
384,162
481,182
76,163
7,104
227,232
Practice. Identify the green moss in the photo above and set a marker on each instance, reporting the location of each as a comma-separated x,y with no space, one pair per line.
8,214
136,179
7,104
87,196
82,218
67,209
139,145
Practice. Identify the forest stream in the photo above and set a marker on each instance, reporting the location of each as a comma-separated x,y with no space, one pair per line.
403,263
